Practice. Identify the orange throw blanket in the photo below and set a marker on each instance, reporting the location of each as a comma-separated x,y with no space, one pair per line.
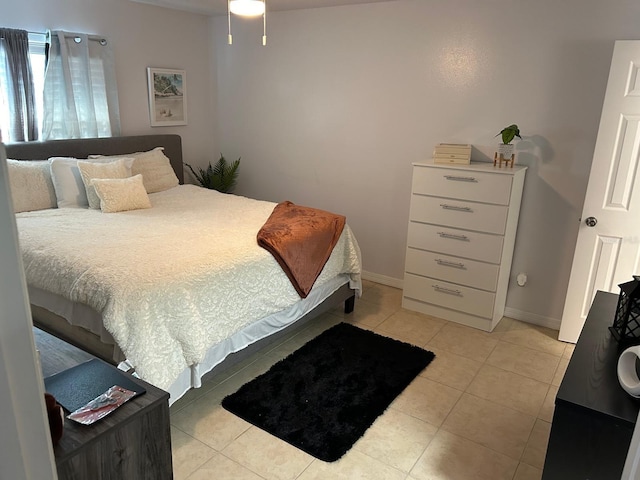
301,240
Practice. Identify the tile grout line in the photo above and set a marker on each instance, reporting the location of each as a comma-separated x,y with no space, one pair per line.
199,441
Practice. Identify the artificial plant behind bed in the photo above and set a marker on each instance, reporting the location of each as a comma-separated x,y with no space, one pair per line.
221,177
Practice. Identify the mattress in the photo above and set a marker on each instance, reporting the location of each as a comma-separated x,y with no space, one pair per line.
173,281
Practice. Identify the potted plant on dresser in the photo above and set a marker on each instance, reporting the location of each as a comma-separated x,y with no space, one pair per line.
506,149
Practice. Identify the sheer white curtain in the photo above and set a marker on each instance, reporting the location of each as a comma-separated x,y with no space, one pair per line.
80,93
17,101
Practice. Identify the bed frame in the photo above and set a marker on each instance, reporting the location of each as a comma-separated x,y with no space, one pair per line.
82,148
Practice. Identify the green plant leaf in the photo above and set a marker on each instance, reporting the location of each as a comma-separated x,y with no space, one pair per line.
508,133
221,176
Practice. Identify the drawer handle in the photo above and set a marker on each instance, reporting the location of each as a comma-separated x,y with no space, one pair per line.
456,208
452,236
460,179
449,291
446,263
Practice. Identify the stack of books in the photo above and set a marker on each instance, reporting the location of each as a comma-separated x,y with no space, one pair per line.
455,153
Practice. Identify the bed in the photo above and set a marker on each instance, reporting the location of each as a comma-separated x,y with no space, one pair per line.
173,291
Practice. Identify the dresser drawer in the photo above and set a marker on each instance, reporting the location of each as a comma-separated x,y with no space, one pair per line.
448,295
452,269
459,243
462,184
455,213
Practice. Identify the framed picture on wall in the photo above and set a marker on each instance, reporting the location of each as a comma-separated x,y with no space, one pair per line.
167,97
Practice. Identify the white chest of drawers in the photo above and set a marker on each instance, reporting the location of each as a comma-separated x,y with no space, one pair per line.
462,229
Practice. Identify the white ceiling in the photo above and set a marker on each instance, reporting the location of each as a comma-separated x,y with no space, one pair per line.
219,7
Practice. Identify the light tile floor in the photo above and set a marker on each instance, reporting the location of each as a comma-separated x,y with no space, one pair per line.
481,410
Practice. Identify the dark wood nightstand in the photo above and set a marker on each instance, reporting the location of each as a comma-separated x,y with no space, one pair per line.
132,443
594,417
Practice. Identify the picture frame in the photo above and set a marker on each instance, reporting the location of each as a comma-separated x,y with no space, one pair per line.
167,96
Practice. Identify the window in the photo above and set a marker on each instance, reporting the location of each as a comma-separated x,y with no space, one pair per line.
37,57
81,98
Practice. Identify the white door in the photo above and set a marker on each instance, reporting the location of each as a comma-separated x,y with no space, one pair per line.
608,248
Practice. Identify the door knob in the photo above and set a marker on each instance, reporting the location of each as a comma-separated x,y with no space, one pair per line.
591,221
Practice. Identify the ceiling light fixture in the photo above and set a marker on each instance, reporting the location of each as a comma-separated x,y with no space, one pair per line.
248,8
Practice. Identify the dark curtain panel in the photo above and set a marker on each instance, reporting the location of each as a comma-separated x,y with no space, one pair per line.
24,125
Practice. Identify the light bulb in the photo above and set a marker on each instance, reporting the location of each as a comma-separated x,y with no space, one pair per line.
247,8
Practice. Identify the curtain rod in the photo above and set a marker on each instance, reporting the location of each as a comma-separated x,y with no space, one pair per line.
98,38
29,32
67,34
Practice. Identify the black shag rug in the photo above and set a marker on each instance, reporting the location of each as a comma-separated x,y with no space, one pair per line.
325,395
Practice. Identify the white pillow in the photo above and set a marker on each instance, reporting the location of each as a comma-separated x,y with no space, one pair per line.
121,194
90,170
154,166
156,170
31,185
67,181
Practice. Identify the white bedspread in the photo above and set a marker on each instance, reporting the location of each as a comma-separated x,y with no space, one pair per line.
170,281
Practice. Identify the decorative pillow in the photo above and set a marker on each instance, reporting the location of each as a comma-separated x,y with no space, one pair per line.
67,181
154,166
31,185
121,194
92,170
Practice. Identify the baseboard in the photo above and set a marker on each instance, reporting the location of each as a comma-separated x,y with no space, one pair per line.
383,279
532,318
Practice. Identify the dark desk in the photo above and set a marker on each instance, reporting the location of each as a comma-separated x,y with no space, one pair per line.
594,417
132,443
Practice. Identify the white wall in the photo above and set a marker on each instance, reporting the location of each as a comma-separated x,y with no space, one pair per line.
142,36
334,110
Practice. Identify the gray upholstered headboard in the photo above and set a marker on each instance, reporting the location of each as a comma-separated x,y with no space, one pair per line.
83,147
